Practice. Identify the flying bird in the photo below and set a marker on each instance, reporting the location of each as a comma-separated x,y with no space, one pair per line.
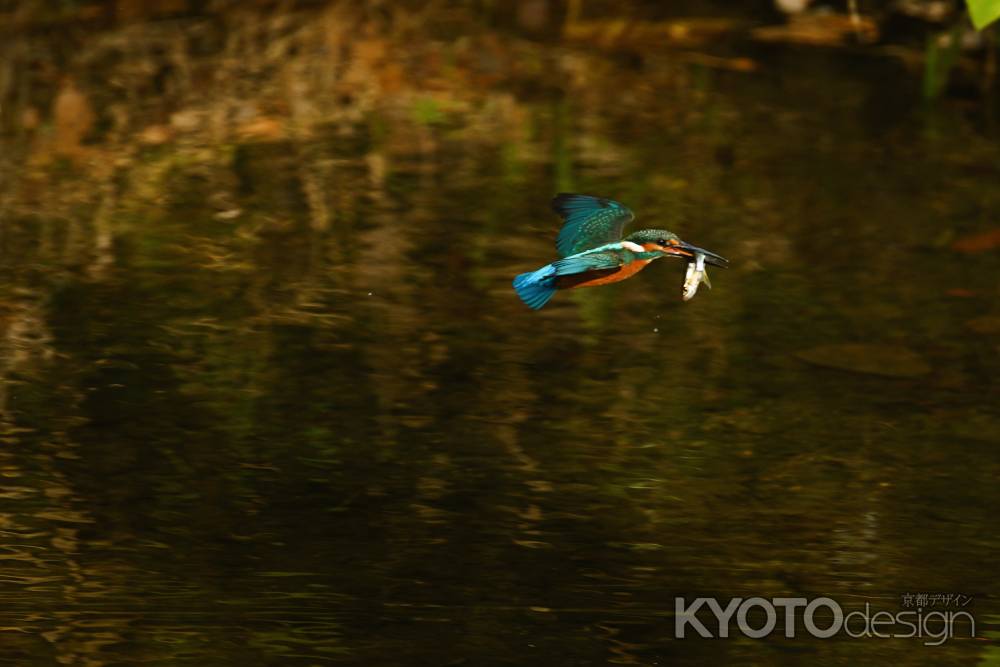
593,251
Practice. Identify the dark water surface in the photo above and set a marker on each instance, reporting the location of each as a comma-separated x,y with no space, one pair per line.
268,397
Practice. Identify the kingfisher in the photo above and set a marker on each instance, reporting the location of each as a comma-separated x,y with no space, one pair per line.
593,251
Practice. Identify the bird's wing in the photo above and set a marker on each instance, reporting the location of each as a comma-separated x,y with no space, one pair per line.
611,258
588,222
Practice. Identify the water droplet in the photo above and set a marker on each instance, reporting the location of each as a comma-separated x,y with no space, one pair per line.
656,330
369,293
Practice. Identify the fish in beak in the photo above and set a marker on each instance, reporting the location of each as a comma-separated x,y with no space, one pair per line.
696,272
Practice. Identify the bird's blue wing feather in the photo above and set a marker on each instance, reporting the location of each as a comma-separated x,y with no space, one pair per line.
536,287
592,261
588,222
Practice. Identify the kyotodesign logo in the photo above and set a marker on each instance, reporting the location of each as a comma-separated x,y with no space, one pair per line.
823,617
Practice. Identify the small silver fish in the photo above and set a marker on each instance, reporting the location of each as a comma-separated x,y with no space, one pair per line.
696,275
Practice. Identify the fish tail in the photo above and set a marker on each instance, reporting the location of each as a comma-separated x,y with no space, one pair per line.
536,287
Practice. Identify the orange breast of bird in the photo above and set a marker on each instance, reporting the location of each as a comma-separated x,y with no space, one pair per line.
601,276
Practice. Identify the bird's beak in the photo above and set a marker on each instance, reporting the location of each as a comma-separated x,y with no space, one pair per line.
683,249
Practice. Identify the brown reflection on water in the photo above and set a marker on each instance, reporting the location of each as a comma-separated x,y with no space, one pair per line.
267,395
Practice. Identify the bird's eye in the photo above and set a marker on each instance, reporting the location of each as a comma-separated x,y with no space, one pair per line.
661,242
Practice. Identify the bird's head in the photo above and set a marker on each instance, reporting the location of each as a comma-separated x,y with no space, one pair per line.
667,244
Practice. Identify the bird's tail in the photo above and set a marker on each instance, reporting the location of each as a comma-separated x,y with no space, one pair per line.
536,287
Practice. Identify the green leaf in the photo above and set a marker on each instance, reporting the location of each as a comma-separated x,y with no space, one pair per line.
983,12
